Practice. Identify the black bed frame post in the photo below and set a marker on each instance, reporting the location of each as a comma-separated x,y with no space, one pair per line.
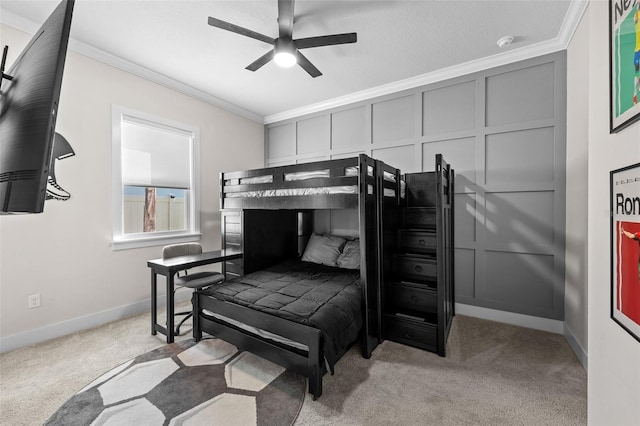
452,248
221,180
197,330
379,246
398,188
314,366
445,249
387,217
368,265
364,261
154,302
441,254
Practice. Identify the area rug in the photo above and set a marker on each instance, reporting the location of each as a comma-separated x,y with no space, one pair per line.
187,383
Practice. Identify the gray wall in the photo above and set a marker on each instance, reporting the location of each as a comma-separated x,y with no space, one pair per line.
503,130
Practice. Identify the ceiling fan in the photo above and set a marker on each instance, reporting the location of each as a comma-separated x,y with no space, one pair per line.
286,50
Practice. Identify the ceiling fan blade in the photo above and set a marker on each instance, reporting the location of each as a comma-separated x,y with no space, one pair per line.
260,61
239,30
307,65
285,18
328,40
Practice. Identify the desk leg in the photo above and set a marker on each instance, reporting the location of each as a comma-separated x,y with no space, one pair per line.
170,309
154,306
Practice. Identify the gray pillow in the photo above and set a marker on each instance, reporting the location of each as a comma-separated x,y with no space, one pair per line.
323,249
350,256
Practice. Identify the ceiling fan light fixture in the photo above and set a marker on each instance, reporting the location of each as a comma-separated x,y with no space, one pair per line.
285,59
285,52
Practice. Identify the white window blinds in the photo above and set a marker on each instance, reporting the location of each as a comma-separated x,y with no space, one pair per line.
155,156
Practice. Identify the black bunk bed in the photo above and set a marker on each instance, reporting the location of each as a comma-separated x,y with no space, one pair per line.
263,213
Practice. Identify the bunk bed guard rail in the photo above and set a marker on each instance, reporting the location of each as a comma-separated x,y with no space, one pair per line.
330,184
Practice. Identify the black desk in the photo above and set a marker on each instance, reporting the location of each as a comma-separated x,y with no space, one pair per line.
168,268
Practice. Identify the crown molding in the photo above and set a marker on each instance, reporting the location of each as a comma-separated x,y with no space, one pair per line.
569,26
443,74
572,19
25,25
161,79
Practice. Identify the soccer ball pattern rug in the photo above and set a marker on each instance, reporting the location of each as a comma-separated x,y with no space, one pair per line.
209,382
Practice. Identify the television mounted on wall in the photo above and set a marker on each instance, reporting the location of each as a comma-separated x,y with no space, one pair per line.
29,95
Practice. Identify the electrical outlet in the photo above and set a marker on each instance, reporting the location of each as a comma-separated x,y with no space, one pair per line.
34,301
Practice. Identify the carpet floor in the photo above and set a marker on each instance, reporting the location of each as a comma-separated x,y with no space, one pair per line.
493,374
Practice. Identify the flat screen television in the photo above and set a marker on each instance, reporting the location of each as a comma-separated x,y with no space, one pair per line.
29,95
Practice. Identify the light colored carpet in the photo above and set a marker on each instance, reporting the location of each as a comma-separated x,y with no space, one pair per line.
493,374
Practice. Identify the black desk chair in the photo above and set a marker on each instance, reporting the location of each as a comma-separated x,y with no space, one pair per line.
196,281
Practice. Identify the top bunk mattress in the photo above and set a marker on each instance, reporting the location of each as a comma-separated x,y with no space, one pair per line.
322,297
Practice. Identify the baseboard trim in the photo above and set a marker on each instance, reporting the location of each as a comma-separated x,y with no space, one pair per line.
581,354
544,324
86,322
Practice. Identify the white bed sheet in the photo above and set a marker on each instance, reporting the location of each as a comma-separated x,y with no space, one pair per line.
312,174
288,192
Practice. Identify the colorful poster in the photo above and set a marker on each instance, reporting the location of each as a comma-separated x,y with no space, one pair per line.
624,27
625,241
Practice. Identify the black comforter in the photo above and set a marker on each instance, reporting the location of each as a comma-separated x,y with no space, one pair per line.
323,297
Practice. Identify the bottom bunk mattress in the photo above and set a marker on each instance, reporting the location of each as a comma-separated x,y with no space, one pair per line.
322,297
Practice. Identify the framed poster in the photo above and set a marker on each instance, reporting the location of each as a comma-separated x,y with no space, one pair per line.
624,63
625,248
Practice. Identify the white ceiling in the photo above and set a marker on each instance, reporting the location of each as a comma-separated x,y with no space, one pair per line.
401,44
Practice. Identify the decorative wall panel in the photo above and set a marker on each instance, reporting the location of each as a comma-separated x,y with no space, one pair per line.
514,277
349,128
449,109
393,120
311,159
465,274
526,156
520,220
525,94
346,155
465,219
281,141
400,157
459,152
313,135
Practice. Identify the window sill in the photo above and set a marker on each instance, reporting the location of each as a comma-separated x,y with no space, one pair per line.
156,240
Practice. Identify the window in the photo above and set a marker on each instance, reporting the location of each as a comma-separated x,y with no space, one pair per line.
155,191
